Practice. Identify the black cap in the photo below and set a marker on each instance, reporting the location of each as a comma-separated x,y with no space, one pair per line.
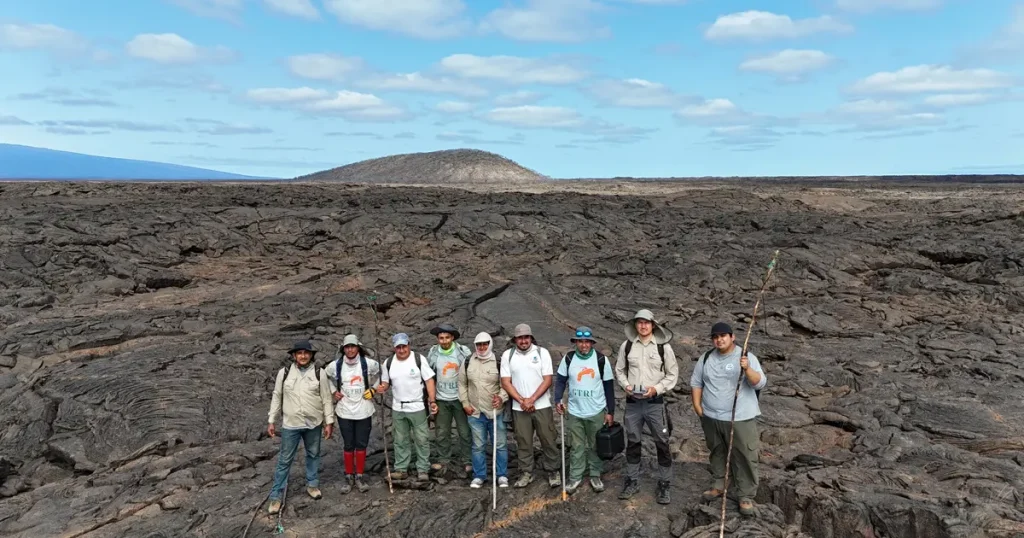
721,328
302,345
446,328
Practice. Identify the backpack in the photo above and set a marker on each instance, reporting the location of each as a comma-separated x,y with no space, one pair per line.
362,363
568,362
423,384
704,359
629,346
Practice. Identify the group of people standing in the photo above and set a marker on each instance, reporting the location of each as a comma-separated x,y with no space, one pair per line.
469,388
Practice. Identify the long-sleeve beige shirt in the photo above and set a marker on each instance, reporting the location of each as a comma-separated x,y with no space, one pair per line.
303,399
645,367
479,386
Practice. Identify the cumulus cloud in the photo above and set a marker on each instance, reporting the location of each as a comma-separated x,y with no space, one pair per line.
789,64
217,9
172,49
868,6
54,40
320,66
519,97
634,93
932,78
348,104
469,136
534,116
763,26
454,107
418,82
561,21
512,69
303,9
958,99
427,19
286,95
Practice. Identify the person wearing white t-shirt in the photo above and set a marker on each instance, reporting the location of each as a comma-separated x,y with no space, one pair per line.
352,376
526,374
409,373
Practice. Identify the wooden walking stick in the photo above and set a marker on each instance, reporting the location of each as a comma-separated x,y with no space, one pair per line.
739,383
383,430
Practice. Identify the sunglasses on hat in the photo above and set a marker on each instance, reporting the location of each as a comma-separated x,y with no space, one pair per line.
582,334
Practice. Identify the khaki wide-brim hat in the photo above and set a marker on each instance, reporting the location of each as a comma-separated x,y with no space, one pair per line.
662,335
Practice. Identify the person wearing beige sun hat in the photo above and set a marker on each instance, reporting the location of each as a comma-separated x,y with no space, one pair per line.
646,369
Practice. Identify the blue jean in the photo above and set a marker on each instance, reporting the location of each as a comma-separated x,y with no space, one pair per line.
289,448
483,430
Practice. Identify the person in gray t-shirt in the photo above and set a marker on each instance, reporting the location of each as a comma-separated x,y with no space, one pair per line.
713,385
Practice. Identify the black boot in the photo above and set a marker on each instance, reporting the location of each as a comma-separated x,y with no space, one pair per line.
361,485
632,487
663,486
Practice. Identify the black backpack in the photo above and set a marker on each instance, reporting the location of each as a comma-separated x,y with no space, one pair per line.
704,359
600,362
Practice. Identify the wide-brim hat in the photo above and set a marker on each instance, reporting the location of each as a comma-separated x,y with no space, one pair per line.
302,345
583,333
661,334
446,328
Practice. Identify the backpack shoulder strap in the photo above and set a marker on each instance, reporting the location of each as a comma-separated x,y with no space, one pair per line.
625,356
661,353
567,359
366,372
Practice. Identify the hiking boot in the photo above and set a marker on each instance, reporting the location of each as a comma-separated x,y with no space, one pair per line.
346,486
502,481
399,475
362,486
555,479
275,506
746,507
711,494
595,482
524,480
663,497
632,487
570,488
477,483
314,493
423,477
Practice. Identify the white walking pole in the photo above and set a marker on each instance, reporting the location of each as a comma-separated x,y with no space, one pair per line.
494,461
561,420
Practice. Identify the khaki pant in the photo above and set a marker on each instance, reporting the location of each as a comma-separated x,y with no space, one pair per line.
446,453
411,432
743,476
541,421
583,433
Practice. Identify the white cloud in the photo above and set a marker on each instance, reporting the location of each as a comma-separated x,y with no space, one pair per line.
534,116
868,115
417,82
867,6
511,69
710,108
323,66
789,64
39,36
427,19
170,49
958,99
12,120
562,21
762,25
453,107
302,9
286,95
932,78
1006,44
519,97
217,9
872,107
634,93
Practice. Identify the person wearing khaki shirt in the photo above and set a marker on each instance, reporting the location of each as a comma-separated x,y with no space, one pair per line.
302,400
483,400
646,377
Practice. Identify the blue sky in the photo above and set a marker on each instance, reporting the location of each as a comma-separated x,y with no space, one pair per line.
570,88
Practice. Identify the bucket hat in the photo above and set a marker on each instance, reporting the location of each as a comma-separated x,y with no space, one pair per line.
662,335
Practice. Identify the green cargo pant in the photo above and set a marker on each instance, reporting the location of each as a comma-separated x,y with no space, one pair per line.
446,454
411,432
541,421
743,476
583,436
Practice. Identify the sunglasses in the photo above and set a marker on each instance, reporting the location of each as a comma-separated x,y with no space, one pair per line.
582,334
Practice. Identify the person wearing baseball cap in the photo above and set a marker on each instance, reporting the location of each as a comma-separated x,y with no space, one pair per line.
646,369
413,381
713,388
526,374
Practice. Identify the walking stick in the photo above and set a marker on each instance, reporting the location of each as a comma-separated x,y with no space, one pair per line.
561,421
383,430
739,383
494,460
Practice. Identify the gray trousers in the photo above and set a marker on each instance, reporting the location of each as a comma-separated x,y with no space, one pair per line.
638,413
743,476
541,421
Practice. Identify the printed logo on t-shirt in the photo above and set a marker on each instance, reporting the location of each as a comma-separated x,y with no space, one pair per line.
356,380
449,366
728,367
412,372
536,359
586,371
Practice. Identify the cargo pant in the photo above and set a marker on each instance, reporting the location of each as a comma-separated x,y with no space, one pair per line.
743,476
652,413
411,432
446,453
583,435
541,421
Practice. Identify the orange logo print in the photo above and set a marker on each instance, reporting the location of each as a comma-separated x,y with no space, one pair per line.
449,366
356,380
585,371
